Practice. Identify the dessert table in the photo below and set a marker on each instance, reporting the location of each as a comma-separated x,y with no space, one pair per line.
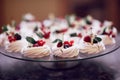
105,67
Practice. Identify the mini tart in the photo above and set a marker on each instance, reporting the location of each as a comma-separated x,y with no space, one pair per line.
16,46
107,40
66,53
92,48
37,52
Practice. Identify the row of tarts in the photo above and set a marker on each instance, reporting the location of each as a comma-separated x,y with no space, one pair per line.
63,37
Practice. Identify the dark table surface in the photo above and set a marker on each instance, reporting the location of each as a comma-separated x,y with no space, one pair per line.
106,67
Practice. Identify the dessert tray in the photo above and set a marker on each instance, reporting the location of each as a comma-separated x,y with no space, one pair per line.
50,41
52,58
56,63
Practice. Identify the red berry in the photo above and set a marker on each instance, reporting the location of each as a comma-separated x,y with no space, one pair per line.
35,45
43,42
59,44
66,42
46,35
87,39
70,44
72,41
80,35
113,36
40,42
11,38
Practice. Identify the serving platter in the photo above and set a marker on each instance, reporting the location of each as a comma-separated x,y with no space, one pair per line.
53,62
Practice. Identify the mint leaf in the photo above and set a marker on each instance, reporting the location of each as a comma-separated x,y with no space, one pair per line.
30,40
73,34
88,22
104,31
57,40
39,35
4,28
97,39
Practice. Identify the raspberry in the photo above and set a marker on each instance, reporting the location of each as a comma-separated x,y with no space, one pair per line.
66,42
87,39
46,35
11,39
59,44
71,43
40,42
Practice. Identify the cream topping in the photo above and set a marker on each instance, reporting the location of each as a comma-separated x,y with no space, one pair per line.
66,53
17,46
108,40
36,52
92,48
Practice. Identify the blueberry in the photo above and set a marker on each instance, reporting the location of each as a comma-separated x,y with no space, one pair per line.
17,36
66,46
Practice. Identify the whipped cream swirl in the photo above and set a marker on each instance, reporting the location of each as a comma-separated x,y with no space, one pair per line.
17,46
108,40
92,48
66,53
36,52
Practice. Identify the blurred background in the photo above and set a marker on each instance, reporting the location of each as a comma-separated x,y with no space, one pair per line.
99,9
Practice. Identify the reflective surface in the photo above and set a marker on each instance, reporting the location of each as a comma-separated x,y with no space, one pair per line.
24,70
81,56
